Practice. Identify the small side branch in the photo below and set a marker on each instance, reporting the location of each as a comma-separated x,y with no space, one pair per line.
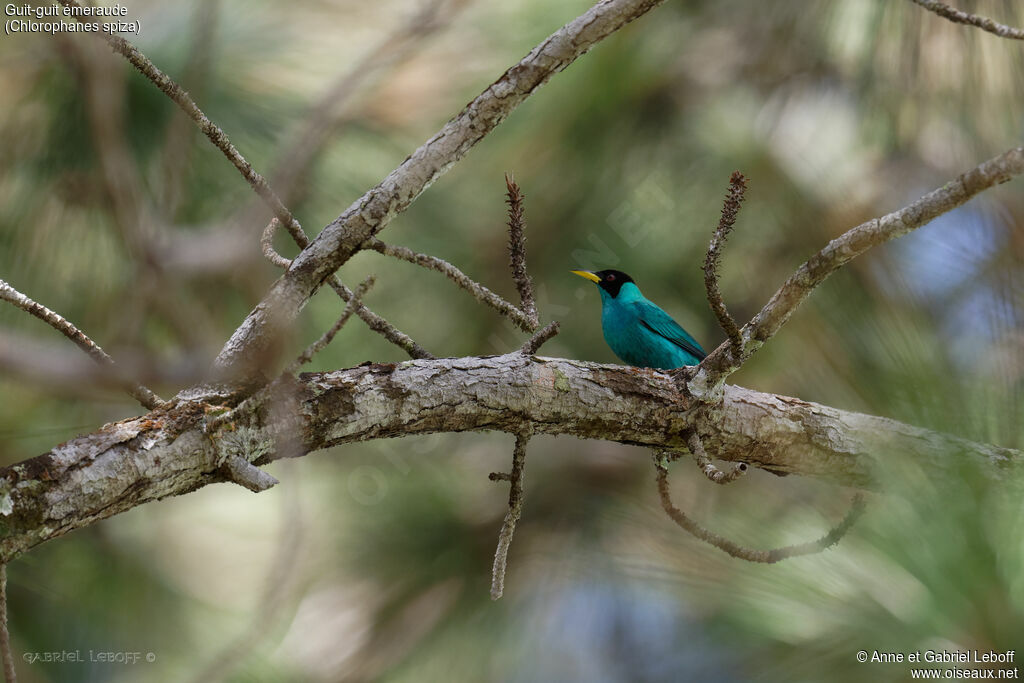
244,473
515,511
216,135
727,358
140,393
517,251
375,322
696,446
479,291
713,260
959,17
540,338
750,554
320,344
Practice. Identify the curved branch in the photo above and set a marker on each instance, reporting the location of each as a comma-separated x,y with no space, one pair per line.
170,452
751,555
343,237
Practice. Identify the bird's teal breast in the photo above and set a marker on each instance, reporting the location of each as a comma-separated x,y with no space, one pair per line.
634,343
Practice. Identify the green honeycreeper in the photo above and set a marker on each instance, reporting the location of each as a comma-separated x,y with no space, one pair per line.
636,329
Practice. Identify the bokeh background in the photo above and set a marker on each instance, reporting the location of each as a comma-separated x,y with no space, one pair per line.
372,562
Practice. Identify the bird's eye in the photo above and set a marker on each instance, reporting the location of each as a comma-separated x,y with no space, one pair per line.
611,276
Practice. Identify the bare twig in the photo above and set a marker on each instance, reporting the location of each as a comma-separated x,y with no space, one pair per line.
696,446
177,147
517,250
5,635
515,510
706,383
959,17
137,391
353,302
344,236
713,260
479,291
540,338
212,131
375,322
750,554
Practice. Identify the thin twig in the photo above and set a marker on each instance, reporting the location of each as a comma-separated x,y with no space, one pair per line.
515,510
212,131
479,291
137,391
177,146
539,338
375,322
707,381
696,446
321,343
750,554
517,251
5,634
959,17
713,260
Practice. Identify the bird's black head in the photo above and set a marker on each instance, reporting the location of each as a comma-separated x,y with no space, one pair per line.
612,280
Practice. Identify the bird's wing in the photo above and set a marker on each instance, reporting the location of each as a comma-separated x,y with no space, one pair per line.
661,323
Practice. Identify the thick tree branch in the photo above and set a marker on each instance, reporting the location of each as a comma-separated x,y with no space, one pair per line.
726,359
169,452
959,17
336,244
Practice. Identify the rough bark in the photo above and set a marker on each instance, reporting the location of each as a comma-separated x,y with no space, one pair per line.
167,452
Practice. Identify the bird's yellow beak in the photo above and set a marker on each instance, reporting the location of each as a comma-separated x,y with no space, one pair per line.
586,274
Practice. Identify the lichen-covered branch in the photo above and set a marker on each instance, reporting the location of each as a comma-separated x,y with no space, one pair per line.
727,358
960,17
170,452
368,215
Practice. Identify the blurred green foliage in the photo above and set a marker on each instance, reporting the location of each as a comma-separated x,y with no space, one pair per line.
837,112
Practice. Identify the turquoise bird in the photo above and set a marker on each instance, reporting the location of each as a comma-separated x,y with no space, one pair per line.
636,329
